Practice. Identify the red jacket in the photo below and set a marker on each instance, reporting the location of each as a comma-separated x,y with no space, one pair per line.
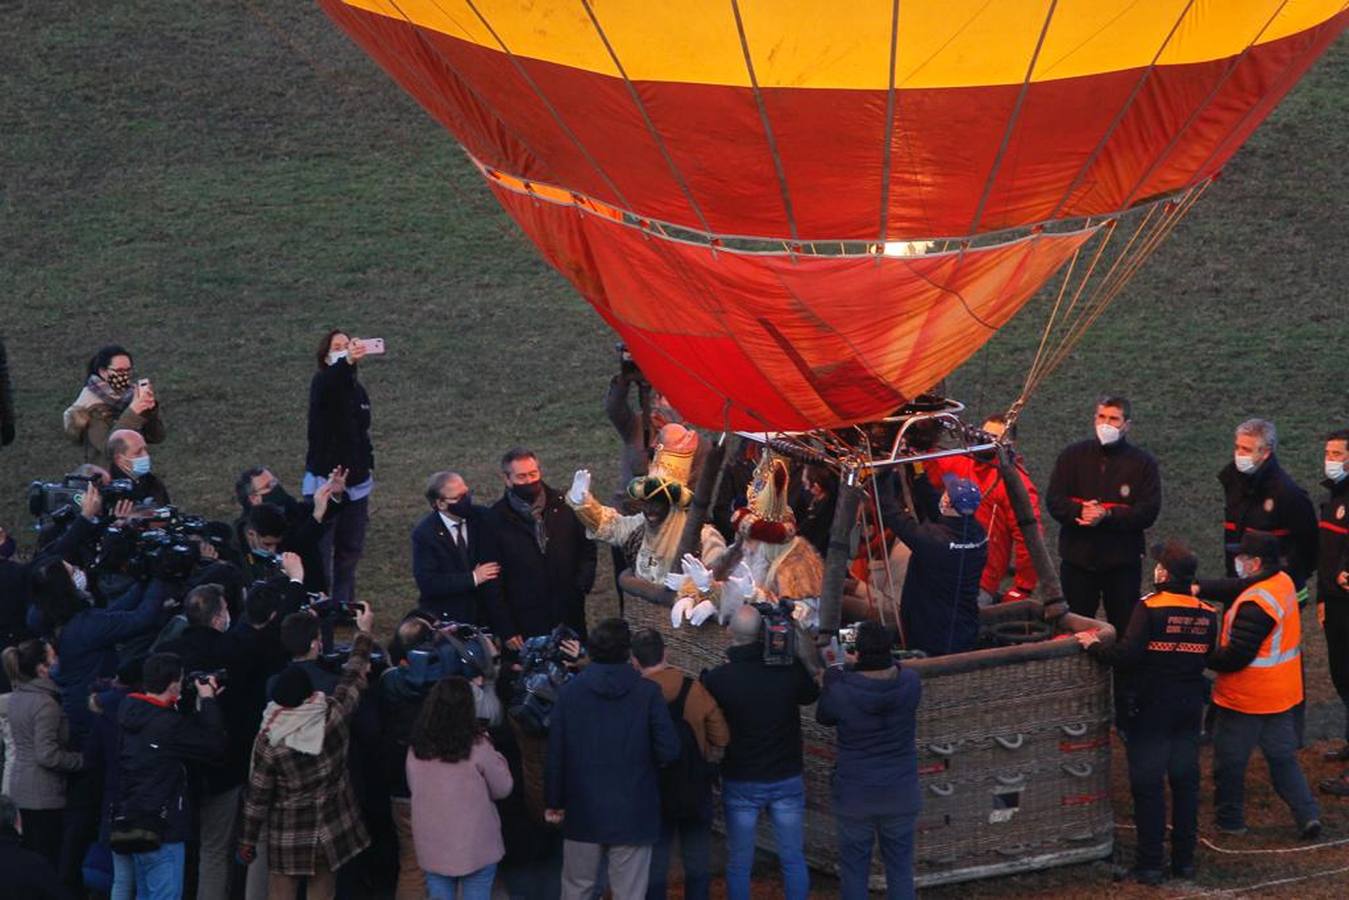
1005,543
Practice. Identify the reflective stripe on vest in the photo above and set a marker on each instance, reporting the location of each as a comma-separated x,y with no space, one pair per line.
1272,682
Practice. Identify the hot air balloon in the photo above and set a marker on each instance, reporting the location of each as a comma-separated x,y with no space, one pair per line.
801,215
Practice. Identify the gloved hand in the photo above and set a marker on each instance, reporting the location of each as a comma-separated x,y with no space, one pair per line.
680,610
580,486
701,574
702,612
735,591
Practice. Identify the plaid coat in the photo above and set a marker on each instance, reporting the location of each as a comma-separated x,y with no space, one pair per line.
307,801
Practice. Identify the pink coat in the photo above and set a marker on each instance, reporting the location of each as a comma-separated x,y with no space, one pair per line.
455,826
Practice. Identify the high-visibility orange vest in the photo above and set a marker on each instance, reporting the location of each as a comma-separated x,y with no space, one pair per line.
1272,683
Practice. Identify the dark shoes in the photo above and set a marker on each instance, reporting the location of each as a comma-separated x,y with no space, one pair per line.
1338,786
1340,755
1149,877
1184,873
1310,831
1234,831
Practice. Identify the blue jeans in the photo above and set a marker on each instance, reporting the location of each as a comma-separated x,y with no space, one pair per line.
157,875
1235,736
857,835
477,885
695,847
786,804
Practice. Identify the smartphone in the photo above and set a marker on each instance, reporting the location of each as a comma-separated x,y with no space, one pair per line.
373,346
143,384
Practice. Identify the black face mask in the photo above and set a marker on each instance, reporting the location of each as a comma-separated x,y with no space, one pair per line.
527,492
277,496
460,508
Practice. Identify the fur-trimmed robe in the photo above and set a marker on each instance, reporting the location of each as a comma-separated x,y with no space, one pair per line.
656,554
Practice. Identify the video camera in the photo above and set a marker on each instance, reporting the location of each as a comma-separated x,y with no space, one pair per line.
336,658
545,668
201,676
324,606
161,544
779,633
62,499
458,649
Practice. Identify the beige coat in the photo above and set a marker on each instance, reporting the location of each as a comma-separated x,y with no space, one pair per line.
89,421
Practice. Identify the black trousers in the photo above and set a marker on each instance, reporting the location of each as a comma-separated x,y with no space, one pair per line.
42,830
1163,748
1118,589
1337,650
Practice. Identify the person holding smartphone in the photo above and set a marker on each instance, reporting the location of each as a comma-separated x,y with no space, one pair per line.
339,436
112,399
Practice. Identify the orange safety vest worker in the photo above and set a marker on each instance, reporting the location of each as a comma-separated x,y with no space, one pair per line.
1272,683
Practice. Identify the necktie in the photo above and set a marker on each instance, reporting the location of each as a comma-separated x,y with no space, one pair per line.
459,540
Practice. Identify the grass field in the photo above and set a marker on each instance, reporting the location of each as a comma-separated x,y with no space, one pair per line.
215,185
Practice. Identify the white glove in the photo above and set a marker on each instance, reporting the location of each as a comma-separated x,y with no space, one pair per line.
702,612
739,584
701,574
675,580
580,486
680,610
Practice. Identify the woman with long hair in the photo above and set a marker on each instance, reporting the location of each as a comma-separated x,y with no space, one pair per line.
42,754
455,775
111,399
339,442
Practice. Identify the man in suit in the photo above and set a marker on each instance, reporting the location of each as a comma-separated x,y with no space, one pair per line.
455,559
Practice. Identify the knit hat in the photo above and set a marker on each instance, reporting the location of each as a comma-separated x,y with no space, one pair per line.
667,477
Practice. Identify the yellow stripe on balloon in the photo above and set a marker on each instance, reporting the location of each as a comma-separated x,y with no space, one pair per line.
846,43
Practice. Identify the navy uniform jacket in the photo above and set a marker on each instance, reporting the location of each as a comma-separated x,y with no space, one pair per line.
1269,500
939,606
1165,647
1122,477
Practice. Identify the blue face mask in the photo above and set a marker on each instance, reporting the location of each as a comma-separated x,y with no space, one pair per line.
141,465
264,553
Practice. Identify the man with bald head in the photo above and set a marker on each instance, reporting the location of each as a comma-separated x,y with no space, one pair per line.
131,461
454,557
762,768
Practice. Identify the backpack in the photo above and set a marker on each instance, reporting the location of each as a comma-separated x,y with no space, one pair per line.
686,783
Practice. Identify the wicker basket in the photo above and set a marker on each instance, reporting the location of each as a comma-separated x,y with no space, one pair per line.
1013,750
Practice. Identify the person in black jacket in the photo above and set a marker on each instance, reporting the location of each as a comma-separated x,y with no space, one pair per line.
547,564
26,873
339,436
814,505
763,765
1332,581
1105,493
455,559
7,416
1259,495
209,645
939,605
130,461
299,528
1169,637
153,791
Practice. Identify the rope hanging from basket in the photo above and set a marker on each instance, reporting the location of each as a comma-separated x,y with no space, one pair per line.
1094,278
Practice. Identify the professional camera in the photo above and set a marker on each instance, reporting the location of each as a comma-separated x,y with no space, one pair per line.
336,658
47,498
324,606
779,633
456,649
545,668
162,543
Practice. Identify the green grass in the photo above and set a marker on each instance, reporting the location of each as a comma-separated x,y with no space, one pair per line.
214,185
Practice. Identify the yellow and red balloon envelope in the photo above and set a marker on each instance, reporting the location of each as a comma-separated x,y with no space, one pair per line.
804,121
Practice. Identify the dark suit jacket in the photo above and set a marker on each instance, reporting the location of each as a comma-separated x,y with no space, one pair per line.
444,573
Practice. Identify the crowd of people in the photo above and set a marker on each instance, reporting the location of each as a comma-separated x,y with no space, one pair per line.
195,707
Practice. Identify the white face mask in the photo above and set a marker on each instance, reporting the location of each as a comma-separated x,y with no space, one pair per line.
1335,469
80,579
335,356
1107,434
1245,464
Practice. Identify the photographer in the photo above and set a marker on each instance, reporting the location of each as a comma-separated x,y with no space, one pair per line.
131,461
208,645
152,817
112,399
874,705
299,786
299,528
763,765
